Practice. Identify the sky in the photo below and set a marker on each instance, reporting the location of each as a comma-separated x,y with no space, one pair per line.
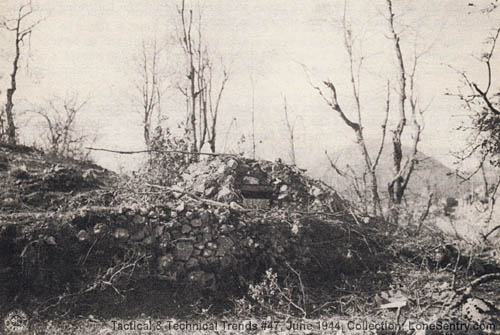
90,48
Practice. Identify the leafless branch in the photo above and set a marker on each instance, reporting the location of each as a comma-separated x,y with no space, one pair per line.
384,127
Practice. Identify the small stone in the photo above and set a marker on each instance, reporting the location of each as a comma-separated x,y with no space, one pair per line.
209,191
226,228
230,180
159,230
223,217
139,219
171,224
211,245
225,244
51,240
248,242
223,170
199,188
10,202
164,243
180,208
121,233
199,246
205,217
225,194
282,195
315,191
176,234
207,237
183,250
122,218
179,194
138,236
189,215
191,263
153,214
100,228
196,276
143,211
196,223
186,229
251,180
232,164
148,240
165,262
284,188
207,253
196,253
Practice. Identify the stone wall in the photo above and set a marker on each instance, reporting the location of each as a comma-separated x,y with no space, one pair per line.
217,249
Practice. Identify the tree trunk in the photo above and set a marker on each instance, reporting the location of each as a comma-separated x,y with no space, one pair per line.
395,187
9,106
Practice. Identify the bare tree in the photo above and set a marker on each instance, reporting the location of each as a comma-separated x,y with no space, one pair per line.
482,102
402,171
203,96
252,83
211,99
355,66
291,131
408,107
21,26
150,88
62,136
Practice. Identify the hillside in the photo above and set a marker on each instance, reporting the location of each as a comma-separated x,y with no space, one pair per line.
32,181
89,249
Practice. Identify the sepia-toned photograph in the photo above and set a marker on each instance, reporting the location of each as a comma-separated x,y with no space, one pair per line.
249,167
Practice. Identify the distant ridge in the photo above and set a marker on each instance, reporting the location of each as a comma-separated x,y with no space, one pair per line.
429,175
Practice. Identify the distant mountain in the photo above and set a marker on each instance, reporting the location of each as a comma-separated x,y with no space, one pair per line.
429,175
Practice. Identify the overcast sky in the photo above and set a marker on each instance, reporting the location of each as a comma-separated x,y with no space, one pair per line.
89,47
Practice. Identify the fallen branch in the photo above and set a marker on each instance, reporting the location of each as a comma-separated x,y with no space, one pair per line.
481,280
131,152
197,198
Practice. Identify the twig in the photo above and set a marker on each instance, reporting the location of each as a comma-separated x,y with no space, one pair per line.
453,283
301,286
425,213
491,232
88,252
492,202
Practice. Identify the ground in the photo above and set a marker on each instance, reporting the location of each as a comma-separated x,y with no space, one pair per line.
85,251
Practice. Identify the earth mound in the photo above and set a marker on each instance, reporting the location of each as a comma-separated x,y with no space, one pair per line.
73,230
